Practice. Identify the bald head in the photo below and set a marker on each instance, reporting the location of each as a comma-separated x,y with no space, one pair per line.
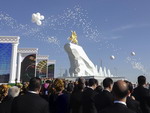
120,89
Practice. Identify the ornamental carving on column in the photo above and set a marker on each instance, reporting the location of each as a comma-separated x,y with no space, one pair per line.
42,57
9,39
28,50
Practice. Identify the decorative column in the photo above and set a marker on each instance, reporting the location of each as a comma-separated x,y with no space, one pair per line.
19,67
13,63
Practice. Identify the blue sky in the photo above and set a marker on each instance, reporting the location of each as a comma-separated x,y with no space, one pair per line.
104,28
5,58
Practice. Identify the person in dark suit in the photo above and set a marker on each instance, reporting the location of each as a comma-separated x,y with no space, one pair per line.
131,102
142,94
76,97
120,91
105,98
31,102
88,97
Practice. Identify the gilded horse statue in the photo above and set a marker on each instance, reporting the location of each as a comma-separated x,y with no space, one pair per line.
73,38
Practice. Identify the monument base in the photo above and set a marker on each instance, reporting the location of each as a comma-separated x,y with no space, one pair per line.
99,78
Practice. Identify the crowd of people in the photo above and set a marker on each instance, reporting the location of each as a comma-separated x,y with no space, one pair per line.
81,96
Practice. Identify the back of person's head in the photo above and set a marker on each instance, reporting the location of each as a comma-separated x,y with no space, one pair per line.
92,82
59,85
99,89
141,80
96,82
35,84
130,86
107,82
48,81
120,89
80,87
70,87
13,91
86,83
81,80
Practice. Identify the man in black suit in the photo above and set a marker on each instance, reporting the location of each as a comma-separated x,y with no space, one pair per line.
131,102
88,97
142,94
120,91
105,98
31,102
76,97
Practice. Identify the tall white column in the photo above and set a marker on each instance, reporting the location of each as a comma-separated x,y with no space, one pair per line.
19,67
13,63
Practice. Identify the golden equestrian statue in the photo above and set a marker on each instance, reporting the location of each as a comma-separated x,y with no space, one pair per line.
73,38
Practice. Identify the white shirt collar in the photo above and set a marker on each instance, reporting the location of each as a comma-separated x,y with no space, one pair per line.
120,102
91,88
33,92
106,90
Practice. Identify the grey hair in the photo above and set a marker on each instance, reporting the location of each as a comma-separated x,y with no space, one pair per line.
13,91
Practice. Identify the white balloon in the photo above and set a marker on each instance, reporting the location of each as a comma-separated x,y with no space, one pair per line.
38,22
133,53
38,14
38,17
33,15
42,17
112,57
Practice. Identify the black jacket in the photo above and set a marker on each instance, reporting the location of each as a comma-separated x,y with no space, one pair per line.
142,95
117,108
88,102
30,103
103,100
5,106
133,105
76,102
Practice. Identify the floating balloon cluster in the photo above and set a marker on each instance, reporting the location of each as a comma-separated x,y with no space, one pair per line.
36,18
